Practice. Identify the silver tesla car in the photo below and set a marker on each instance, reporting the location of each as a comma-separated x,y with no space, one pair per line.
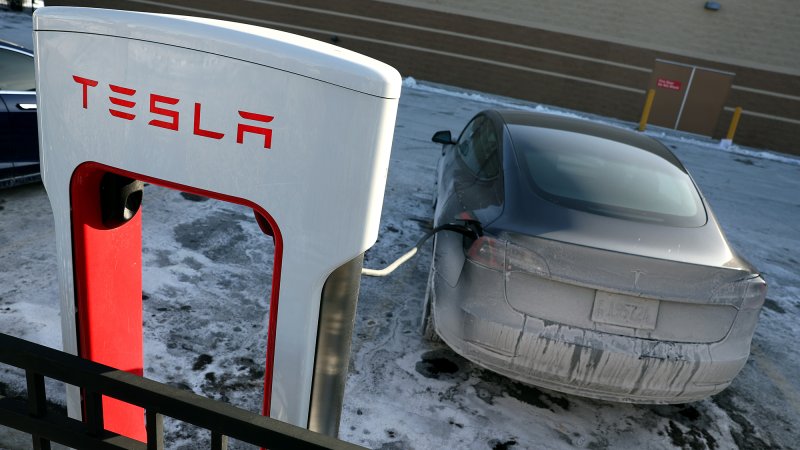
595,266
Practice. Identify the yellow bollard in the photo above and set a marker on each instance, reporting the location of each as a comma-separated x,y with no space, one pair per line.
734,123
651,94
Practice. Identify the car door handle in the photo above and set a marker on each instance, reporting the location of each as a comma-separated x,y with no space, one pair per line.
26,106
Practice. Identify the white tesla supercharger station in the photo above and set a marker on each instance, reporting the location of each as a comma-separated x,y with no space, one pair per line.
298,130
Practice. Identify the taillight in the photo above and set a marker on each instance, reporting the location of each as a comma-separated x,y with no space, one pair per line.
488,252
756,293
749,291
499,254
521,259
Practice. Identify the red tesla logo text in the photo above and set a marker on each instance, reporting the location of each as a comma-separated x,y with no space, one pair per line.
122,102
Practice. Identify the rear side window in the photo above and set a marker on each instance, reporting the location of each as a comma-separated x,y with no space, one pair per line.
478,146
16,71
606,177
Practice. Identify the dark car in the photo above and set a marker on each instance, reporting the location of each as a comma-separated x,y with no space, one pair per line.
19,140
597,267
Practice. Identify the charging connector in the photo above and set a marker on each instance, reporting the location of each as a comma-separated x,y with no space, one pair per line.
469,228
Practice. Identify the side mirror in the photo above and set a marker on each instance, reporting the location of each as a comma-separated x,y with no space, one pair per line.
443,137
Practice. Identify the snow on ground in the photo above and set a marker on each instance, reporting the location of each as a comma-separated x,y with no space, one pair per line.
207,271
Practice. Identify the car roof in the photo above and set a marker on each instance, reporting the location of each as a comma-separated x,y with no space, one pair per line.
586,127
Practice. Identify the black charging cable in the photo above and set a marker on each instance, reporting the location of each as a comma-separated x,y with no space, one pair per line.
469,228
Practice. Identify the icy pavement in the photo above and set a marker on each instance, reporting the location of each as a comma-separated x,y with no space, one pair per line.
207,270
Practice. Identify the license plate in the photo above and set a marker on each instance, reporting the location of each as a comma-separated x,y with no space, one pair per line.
625,311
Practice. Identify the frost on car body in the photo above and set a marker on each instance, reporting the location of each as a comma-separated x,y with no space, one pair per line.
601,271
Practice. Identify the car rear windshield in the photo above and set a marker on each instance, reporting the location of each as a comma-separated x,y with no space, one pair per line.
606,177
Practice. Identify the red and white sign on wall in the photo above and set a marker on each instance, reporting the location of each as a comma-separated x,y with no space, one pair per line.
669,84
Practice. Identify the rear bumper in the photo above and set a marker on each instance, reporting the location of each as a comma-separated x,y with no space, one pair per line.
474,319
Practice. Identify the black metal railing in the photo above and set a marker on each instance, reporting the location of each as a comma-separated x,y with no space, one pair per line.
158,400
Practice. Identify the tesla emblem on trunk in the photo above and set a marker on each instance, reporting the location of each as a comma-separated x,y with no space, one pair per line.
122,102
637,274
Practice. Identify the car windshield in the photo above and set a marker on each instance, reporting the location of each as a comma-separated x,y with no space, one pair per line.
606,177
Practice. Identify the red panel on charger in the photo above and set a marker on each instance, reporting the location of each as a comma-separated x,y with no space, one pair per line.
108,286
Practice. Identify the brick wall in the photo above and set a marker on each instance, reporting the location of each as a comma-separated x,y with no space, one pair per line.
535,58
742,32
